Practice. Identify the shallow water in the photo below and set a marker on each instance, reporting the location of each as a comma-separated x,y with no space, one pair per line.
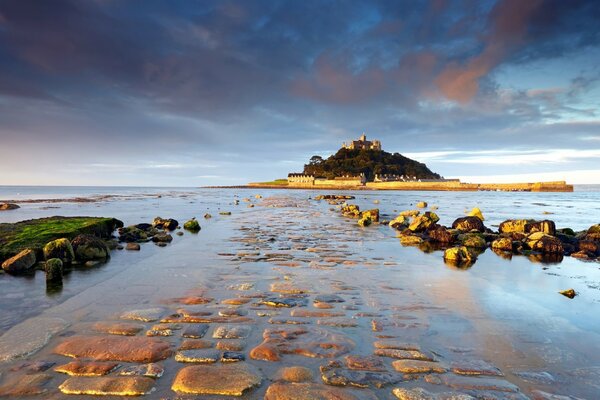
506,312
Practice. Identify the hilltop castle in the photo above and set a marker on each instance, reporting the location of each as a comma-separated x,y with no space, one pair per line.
363,144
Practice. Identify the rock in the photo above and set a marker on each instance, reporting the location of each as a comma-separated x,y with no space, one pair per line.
472,383
206,356
476,212
372,214
59,248
545,226
296,374
232,356
54,269
365,363
423,222
26,385
108,386
475,367
26,338
570,293
418,367
404,354
225,213
231,345
400,222
132,234
410,213
162,238
351,210
503,243
513,225
222,379
334,374
207,216
150,370
422,394
411,240
87,368
8,206
544,243
442,235
194,344
195,331
231,332
88,247
421,204
467,224
473,240
20,263
192,225
308,391
144,315
168,224
395,344
328,298
364,221
590,247
118,328
459,256
115,348
133,247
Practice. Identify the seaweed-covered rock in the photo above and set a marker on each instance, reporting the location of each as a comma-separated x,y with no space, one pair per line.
372,214
459,256
467,224
132,234
192,225
351,210
165,223
442,235
411,240
423,222
590,247
544,243
54,269
162,238
59,248
8,206
503,243
88,247
400,222
593,233
20,263
514,225
365,221
474,240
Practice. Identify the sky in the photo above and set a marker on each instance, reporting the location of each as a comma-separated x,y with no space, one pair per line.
191,93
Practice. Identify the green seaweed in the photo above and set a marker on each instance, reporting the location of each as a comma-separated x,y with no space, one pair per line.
34,234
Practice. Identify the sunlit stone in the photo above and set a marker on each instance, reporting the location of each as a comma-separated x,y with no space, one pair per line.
222,379
108,386
87,368
115,348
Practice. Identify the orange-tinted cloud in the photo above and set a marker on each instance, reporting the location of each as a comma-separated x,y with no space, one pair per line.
508,30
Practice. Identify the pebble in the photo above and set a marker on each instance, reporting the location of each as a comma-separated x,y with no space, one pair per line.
133,246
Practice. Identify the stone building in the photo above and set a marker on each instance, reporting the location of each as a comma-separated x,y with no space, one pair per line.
363,144
301,178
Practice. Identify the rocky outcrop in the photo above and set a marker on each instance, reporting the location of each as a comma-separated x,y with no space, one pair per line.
8,206
544,243
20,263
88,248
467,224
162,223
527,226
422,222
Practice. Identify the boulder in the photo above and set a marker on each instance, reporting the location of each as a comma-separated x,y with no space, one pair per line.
528,226
8,206
59,248
423,222
89,247
474,240
545,226
503,243
476,212
162,238
162,223
467,224
593,233
544,243
192,225
400,222
20,263
144,226
459,256
132,234
372,214
442,235
365,221
514,225
54,269
421,204
351,210
590,247
411,240
410,213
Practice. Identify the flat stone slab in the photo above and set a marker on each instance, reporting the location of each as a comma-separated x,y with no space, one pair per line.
108,386
118,328
475,367
418,367
472,383
396,344
115,348
198,356
144,315
27,385
334,374
286,302
338,322
422,394
231,332
404,354
222,379
151,370
196,331
310,391
29,336
87,368
365,363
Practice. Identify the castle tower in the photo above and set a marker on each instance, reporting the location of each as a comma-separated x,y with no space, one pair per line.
363,138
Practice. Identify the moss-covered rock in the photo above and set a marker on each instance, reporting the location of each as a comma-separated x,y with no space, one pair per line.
442,235
545,226
34,234
514,225
372,214
459,256
162,238
544,243
165,223
54,269
474,240
20,263
503,243
60,248
421,204
88,247
192,225
410,213
132,234
365,221
467,224
411,240
351,210
423,222
400,222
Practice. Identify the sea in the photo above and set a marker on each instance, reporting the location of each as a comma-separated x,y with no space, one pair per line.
363,285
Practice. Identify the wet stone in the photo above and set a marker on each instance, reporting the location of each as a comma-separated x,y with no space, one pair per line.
108,386
366,363
287,302
33,366
329,298
339,322
150,370
87,368
231,345
27,385
334,374
322,306
191,344
418,367
206,356
232,312
287,288
159,332
238,301
396,344
542,377
195,331
118,328
475,367
472,383
115,348
222,379
231,332
422,394
315,314
296,374
288,321
232,356
308,391
144,315
404,354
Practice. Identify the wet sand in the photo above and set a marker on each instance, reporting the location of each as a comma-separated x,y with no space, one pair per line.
290,283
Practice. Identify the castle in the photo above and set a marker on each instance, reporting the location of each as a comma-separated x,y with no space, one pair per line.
363,144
